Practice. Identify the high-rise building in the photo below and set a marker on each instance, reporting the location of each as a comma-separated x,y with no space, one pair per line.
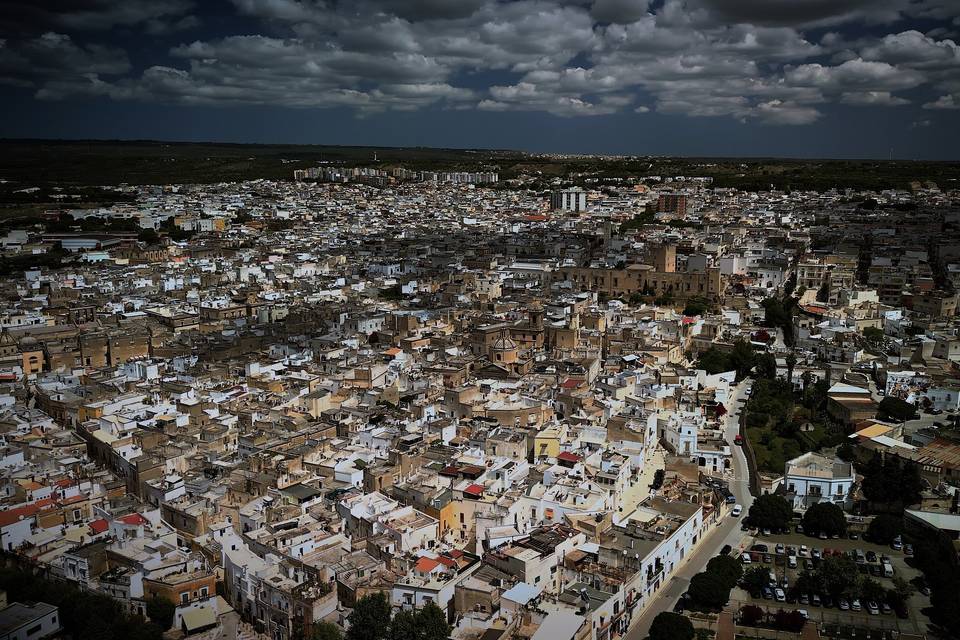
574,199
675,203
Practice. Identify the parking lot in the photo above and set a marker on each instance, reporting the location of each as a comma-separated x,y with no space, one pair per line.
914,622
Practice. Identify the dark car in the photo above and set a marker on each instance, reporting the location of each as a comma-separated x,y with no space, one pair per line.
871,556
767,593
826,600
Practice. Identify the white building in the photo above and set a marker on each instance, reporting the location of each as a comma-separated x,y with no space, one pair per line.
29,621
813,478
574,199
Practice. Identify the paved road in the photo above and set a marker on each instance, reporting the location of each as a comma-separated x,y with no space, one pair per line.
727,532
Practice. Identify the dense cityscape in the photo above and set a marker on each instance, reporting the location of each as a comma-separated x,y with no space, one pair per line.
289,409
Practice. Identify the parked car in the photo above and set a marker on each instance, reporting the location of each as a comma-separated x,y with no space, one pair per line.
844,605
854,535
804,598
815,554
855,605
766,531
807,564
792,562
826,600
767,559
780,595
799,528
815,600
780,549
767,593
760,547
871,556
745,558
908,549
885,607
804,613
803,550
873,608
897,544
823,535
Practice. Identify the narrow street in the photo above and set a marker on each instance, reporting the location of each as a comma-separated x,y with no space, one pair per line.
727,532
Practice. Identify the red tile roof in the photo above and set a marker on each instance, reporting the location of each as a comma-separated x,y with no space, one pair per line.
134,518
11,516
99,526
426,565
474,490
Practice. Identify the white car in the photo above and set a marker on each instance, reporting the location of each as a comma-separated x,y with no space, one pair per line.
737,510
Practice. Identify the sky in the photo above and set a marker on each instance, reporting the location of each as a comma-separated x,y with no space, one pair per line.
796,78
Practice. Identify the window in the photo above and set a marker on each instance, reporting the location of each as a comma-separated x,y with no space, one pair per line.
185,597
34,629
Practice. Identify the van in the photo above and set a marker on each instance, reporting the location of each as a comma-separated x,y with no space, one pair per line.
887,570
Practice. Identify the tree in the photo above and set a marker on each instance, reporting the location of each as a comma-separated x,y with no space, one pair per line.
884,528
755,579
742,358
714,361
658,477
671,626
897,409
838,575
845,452
323,630
900,592
696,306
766,366
161,611
709,590
911,485
873,335
727,567
770,511
404,626
870,589
791,620
432,623
370,618
825,517
751,615
149,236
791,361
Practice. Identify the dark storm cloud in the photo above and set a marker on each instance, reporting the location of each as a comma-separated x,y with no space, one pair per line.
19,17
782,62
